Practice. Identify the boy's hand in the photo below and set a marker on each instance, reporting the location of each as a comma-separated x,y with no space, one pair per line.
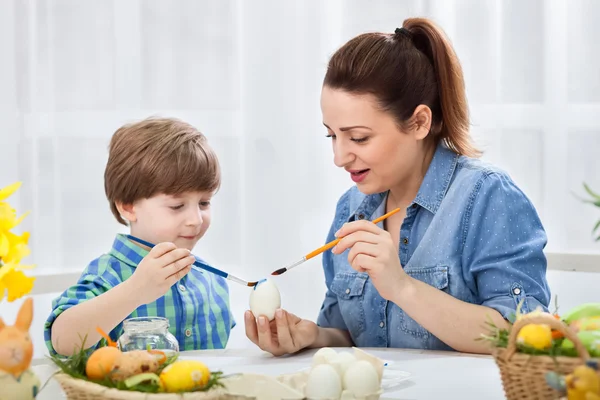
164,265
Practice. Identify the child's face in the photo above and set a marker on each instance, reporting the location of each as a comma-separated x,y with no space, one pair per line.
180,219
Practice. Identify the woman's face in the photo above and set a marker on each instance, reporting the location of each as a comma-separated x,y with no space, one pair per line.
368,143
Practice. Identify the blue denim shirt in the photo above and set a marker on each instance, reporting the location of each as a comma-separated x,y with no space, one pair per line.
470,232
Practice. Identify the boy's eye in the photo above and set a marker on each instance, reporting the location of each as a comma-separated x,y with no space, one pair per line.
205,203
176,207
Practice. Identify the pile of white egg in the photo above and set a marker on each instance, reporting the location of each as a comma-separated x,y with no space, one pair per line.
341,375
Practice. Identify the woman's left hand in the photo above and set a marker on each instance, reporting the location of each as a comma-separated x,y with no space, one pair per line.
373,251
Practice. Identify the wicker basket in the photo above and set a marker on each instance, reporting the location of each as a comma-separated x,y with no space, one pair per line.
524,375
79,389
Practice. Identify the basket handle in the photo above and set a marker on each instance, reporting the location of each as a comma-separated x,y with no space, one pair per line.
545,319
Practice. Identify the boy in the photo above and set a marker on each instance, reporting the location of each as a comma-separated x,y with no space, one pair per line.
159,180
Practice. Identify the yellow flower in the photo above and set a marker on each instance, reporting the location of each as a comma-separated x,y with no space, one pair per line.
13,280
17,248
9,220
6,192
8,217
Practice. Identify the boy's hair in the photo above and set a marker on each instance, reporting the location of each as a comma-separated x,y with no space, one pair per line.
155,156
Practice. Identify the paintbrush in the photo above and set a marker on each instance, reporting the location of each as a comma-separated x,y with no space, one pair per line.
200,265
326,247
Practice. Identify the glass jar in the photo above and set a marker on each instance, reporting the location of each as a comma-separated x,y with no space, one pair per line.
144,333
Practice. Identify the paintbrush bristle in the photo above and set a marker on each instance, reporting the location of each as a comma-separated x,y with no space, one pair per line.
279,271
251,284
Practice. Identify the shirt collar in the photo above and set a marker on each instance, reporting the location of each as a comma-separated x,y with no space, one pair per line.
126,251
437,179
431,192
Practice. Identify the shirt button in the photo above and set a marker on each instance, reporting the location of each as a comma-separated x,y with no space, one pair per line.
517,291
361,216
405,240
414,205
188,333
347,291
182,288
381,324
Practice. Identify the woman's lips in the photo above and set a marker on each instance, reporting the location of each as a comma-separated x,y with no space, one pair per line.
358,175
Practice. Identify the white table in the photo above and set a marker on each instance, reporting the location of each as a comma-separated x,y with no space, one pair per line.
434,375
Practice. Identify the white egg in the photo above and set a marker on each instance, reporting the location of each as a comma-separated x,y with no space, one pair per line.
265,299
323,383
342,361
361,379
324,356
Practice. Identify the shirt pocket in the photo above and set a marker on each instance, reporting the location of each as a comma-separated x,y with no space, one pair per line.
349,289
436,277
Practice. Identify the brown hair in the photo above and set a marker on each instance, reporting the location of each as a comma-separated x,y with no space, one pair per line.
413,66
158,155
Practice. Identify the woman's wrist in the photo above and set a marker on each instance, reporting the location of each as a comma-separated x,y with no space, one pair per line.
407,289
320,340
331,337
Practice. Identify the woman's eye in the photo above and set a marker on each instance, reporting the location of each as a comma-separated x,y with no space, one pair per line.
332,136
176,207
360,140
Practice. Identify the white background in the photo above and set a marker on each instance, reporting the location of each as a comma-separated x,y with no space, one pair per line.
248,74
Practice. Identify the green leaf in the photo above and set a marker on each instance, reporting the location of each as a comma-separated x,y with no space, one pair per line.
596,203
596,226
591,192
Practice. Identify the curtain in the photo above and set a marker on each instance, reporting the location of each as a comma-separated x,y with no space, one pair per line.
248,74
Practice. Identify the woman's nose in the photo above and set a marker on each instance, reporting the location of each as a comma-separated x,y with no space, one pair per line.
341,155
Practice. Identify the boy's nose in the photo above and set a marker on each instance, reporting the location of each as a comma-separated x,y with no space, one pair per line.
195,218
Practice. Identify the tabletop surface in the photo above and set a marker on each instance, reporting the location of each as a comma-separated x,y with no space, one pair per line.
426,374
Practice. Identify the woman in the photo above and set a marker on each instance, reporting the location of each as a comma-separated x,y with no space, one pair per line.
467,246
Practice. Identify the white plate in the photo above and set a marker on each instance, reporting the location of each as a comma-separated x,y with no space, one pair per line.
393,377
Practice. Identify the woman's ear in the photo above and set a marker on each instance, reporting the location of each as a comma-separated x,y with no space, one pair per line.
127,211
422,118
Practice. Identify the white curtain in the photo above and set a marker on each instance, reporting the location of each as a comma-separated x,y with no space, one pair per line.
248,74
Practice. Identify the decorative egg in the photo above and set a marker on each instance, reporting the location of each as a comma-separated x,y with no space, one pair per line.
361,379
102,362
323,383
184,375
324,356
342,361
134,362
265,299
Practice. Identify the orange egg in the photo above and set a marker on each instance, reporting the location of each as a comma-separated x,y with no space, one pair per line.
102,362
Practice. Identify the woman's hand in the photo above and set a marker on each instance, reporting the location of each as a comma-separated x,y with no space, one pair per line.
373,251
286,334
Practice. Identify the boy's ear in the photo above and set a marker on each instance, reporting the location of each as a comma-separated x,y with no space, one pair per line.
25,315
126,211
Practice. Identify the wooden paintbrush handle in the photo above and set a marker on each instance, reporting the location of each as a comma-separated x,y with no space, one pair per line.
336,241
322,249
